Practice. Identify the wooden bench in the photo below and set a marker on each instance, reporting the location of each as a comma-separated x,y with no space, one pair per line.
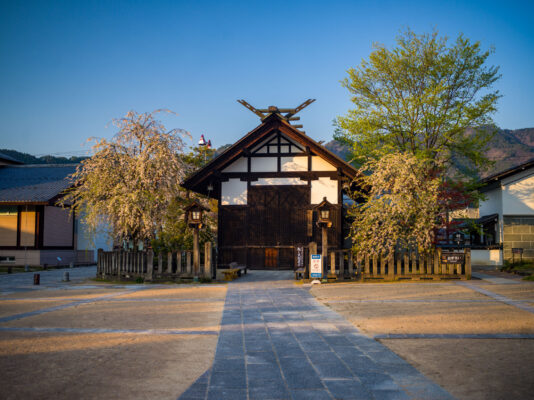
301,272
231,274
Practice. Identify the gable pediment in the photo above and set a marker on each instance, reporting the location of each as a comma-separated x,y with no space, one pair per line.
275,146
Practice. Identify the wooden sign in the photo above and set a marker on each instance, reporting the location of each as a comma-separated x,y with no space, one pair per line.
300,257
452,258
517,250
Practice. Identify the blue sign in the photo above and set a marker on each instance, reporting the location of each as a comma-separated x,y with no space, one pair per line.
316,266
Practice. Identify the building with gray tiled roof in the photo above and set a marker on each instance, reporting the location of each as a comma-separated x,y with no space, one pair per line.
34,230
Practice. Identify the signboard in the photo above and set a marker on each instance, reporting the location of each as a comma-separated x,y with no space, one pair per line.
316,266
517,250
452,258
300,257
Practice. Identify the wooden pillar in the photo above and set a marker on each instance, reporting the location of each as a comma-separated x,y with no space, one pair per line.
207,260
341,258
332,263
467,263
196,252
324,248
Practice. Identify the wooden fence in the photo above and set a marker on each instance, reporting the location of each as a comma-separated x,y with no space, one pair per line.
343,264
120,264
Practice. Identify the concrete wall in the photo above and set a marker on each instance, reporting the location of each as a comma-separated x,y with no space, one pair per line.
49,257
492,204
518,195
486,257
518,233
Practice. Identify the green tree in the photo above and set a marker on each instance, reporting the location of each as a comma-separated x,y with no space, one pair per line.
175,234
428,99
397,207
131,181
420,97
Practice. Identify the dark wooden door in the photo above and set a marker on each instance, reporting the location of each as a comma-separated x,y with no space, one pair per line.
271,258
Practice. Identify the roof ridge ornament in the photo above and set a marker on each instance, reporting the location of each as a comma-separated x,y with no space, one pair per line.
286,113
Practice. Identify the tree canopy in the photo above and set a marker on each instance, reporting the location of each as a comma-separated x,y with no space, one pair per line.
399,208
130,181
420,97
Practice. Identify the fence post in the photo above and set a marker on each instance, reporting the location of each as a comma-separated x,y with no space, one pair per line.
179,262
351,264
341,265
99,261
207,259
188,262
149,265
169,262
467,261
332,263
391,266
160,263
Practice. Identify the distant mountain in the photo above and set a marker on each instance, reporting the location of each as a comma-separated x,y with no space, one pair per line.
29,159
507,149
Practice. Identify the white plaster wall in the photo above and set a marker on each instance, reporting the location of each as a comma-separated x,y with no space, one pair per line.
486,257
492,204
319,164
518,196
294,163
264,164
278,181
239,165
263,142
324,187
234,192
101,239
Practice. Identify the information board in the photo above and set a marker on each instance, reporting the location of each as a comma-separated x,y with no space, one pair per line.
316,266
452,258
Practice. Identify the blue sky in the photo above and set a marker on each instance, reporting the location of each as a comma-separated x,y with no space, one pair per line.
68,68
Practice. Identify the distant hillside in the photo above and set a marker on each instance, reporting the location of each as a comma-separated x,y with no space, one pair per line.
508,148
29,159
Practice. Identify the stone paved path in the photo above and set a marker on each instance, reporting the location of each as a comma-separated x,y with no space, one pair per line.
278,342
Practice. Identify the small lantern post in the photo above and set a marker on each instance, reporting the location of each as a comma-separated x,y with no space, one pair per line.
324,210
193,215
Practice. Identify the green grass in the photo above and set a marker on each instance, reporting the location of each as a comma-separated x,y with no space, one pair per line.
520,268
529,278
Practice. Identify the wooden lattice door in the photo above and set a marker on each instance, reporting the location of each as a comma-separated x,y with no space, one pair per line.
271,258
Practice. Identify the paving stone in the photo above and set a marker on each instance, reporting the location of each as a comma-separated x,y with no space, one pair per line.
348,390
332,370
294,342
310,395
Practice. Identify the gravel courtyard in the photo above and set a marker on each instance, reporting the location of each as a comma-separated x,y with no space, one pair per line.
475,338
100,341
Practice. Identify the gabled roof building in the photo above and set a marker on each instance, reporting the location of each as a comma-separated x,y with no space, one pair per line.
267,185
34,230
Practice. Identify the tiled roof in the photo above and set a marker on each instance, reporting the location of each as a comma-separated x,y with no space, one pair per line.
33,183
